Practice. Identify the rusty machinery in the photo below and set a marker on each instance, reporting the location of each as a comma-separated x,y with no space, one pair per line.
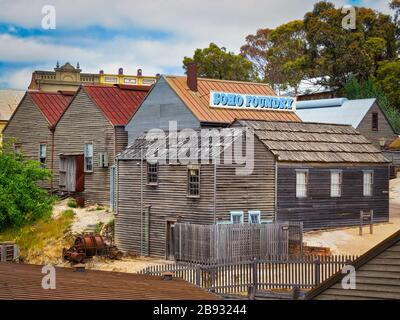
89,245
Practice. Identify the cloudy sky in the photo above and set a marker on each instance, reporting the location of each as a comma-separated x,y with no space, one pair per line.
153,35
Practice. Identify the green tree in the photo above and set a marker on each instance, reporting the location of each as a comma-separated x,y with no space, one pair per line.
279,55
21,199
217,63
388,80
336,54
355,89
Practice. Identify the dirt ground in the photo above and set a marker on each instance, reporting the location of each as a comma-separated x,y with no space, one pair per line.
348,240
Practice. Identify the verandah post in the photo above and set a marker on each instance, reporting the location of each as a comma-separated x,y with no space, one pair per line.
317,269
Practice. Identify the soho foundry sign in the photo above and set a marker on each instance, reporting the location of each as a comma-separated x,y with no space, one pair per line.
250,101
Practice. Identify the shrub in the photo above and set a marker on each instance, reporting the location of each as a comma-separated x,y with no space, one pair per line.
21,199
72,203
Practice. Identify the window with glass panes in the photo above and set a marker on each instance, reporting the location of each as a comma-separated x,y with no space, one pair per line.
193,182
368,183
254,217
88,152
301,183
42,154
152,173
237,217
336,183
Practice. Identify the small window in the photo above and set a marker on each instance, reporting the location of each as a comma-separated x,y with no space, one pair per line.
301,183
368,183
375,121
236,217
17,148
336,183
42,154
88,157
254,217
193,182
152,173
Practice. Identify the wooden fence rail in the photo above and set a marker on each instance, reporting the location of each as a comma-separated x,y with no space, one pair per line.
234,242
276,272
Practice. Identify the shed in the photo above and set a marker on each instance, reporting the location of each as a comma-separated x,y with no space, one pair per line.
88,135
320,174
365,115
377,276
32,125
24,282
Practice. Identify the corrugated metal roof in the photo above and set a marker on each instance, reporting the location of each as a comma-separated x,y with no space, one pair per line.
315,142
199,103
51,104
350,112
9,100
24,282
377,275
117,103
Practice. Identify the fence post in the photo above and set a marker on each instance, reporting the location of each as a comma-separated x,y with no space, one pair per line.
295,293
317,264
255,280
251,292
198,270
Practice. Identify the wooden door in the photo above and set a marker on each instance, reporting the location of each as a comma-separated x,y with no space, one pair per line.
79,174
170,254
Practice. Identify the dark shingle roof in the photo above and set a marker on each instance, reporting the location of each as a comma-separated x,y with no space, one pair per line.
314,142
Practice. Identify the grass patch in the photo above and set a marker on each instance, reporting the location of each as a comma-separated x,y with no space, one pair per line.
99,226
42,241
72,203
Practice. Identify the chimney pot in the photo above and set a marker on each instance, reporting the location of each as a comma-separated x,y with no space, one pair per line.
139,72
120,71
192,76
101,72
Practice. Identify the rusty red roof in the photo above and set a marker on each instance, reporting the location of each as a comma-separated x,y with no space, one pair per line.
51,104
118,103
24,282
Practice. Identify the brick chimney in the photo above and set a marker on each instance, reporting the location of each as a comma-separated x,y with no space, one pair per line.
192,76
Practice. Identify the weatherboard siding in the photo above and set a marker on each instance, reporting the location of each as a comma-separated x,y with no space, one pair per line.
319,210
29,128
159,107
84,123
168,199
384,128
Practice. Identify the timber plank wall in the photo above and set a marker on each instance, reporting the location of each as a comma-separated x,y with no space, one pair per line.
29,127
168,199
384,128
319,209
84,123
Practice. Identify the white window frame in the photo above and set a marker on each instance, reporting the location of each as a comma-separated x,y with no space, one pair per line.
237,213
85,156
368,189
40,153
336,187
298,195
256,213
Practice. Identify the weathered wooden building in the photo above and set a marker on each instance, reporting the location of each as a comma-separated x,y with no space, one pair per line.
365,115
376,276
321,174
32,125
186,100
89,134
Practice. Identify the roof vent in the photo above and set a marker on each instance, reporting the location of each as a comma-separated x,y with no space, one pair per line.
320,103
121,71
101,72
192,76
139,72
167,276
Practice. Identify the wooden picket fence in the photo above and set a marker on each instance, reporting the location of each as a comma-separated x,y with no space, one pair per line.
234,242
276,272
